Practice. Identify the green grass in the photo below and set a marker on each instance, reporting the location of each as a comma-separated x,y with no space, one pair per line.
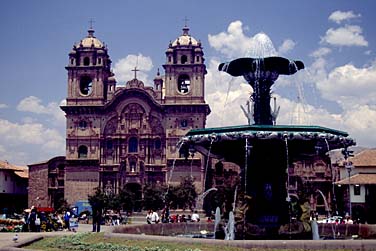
97,241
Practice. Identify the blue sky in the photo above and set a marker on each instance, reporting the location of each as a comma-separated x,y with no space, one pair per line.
335,39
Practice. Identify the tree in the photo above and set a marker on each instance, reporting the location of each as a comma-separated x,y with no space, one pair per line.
126,199
154,196
61,205
185,194
99,200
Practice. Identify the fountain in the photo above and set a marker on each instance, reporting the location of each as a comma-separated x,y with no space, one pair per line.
265,152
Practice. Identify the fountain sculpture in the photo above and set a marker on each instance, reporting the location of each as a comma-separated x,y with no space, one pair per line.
265,153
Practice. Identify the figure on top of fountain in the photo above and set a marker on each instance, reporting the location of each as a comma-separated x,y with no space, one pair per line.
276,65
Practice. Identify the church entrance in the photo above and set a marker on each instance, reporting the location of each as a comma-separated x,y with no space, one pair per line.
136,190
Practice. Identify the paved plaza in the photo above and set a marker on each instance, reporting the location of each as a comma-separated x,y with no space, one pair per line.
6,239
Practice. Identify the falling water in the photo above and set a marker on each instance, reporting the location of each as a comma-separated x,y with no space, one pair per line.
217,218
212,138
172,169
315,230
288,199
235,194
230,227
191,168
261,46
333,176
327,211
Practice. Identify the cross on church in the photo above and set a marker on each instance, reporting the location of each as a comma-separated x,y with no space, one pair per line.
91,21
135,72
185,21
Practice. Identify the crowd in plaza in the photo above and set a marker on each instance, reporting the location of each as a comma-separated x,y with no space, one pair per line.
152,217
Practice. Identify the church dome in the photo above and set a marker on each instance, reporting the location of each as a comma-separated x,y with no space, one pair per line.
185,39
90,41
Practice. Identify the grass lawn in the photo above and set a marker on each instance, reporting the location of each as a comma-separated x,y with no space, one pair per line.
97,241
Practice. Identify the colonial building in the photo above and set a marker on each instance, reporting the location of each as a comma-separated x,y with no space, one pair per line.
13,187
356,186
120,136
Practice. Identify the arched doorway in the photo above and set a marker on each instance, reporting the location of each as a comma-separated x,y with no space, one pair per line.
135,189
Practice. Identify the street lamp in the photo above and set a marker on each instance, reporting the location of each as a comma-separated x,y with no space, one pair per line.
349,166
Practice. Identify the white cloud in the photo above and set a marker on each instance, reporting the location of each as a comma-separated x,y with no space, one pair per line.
29,142
321,52
34,105
286,46
234,43
2,106
350,86
339,16
123,68
349,35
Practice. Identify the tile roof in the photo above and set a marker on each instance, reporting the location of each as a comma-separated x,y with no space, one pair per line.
359,179
366,157
20,171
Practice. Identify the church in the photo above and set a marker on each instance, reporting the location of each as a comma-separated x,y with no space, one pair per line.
128,135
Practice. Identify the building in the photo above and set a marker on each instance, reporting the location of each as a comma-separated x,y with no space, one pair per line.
13,187
356,187
120,136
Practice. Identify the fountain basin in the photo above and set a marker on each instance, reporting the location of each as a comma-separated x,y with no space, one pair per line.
343,231
265,155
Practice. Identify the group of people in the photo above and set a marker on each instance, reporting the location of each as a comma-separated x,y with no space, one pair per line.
152,217
35,221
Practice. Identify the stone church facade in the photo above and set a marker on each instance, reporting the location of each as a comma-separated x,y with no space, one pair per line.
120,136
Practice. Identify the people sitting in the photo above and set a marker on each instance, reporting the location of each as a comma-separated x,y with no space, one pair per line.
195,217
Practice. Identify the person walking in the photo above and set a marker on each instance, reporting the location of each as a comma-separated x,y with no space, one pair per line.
97,219
67,216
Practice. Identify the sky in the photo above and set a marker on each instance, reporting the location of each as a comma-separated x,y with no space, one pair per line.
335,39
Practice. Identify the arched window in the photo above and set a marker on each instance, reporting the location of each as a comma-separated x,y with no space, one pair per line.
86,85
82,124
157,144
99,61
133,145
183,153
109,144
72,61
86,61
184,59
184,83
82,152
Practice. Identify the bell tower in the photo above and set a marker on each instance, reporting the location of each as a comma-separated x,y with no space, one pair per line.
184,70
88,72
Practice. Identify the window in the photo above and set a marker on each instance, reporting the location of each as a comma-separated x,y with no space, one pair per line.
157,144
184,84
86,61
183,153
86,85
184,123
356,190
82,124
72,61
109,144
132,166
184,59
99,60
133,145
82,152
